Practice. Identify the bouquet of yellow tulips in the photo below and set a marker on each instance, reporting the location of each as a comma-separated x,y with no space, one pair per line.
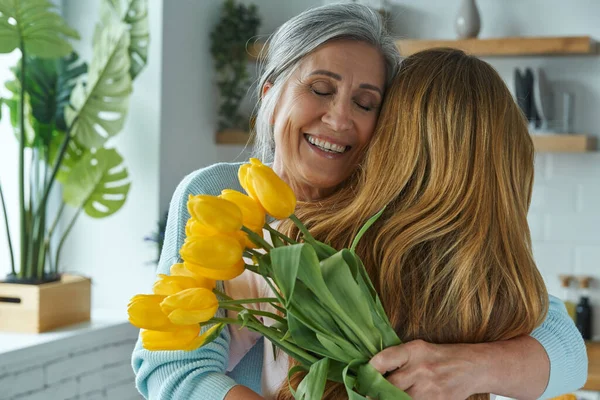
328,316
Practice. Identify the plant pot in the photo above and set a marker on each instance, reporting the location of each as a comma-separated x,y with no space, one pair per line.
31,308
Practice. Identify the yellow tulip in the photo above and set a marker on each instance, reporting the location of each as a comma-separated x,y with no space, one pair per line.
167,285
218,251
264,186
194,228
145,313
253,215
220,274
215,213
179,270
184,338
190,306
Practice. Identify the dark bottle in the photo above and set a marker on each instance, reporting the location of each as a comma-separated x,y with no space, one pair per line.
583,318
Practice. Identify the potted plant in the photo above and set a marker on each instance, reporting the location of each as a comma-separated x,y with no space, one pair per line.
63,112
229,39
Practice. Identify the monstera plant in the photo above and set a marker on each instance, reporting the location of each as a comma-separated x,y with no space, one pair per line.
64,111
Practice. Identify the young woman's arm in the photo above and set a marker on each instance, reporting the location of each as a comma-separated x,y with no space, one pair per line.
551,361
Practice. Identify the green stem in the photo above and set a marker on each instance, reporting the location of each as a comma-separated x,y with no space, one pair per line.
8,237
64,237
22,139
279,234
253,312
257,239
246,301
55,223
222,294
56,167
275,338
307,236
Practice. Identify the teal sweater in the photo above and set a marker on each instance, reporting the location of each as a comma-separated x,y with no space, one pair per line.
200,374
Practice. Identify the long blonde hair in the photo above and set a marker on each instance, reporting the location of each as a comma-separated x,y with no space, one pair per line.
452,158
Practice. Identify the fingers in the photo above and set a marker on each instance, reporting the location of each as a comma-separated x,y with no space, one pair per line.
390,359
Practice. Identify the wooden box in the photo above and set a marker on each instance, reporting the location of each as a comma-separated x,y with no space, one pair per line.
40,308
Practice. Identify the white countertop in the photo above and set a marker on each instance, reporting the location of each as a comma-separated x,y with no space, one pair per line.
100,319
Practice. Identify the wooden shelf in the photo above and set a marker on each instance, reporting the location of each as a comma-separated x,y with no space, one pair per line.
564,143
593,382
508,46
546,143
233,137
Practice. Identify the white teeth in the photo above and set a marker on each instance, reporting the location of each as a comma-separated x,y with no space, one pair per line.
327,146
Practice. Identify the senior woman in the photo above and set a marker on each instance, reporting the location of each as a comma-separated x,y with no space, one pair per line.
321,89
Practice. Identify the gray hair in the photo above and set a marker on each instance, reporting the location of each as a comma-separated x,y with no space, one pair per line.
300,36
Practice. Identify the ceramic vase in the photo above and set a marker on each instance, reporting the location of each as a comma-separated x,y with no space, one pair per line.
468,22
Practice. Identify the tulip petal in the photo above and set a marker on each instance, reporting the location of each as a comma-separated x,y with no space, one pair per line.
215,213
190,306
218,250
180,270
167,285
253,215
181,339
189,317
220,274
145,313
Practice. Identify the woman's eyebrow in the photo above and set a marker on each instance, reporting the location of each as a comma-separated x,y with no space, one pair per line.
338,77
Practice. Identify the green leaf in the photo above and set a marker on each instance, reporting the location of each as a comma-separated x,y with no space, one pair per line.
380,318
366,227
98,108
97,183
285,262
372,384
212,332
49,84
134,13
34,22
347,293
340,349
72,156
313,384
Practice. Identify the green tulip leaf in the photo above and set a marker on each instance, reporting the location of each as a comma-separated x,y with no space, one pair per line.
312,386
98,108
98,183
134,13
372,384
35,23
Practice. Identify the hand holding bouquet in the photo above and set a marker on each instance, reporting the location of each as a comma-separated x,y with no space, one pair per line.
328,316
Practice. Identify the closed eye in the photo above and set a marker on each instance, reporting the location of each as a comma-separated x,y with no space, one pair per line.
320,93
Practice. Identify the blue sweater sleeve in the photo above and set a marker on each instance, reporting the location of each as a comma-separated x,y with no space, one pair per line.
199,374
565,348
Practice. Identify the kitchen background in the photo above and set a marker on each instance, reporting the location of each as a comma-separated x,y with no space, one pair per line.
173,119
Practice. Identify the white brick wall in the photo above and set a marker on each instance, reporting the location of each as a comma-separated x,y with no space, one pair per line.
92,366
565,221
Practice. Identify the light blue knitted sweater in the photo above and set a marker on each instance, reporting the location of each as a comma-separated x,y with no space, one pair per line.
200,374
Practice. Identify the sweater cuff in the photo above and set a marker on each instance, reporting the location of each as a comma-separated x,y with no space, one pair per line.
568,371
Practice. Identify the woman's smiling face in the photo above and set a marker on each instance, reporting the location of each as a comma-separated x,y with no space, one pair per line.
326,115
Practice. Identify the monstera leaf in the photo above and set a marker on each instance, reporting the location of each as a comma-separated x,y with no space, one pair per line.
134,13
98,183
72,156
35,23
12,103
98,108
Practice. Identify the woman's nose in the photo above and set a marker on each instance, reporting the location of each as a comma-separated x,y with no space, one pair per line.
339,116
